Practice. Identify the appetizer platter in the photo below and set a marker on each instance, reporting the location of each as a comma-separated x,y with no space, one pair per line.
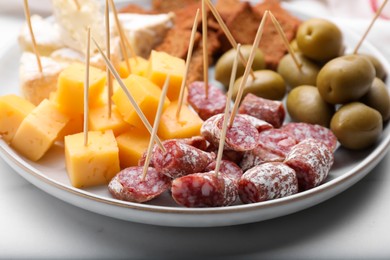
232,162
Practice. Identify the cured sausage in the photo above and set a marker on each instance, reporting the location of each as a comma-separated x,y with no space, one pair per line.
228,168
241,136
266,182
271,111
204,190
302,131
258,156
128,184
259,124
311,159
180,159
214,104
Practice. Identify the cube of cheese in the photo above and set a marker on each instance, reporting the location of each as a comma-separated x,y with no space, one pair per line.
145,93
162,64
93,164
99,120
138,66
188,125
38,131
132,145
70,92
75,125
13,109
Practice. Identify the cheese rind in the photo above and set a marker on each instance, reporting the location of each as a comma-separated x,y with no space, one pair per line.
132,145
13,110
70,92
38,131
162,64
188,125
145,93
94,164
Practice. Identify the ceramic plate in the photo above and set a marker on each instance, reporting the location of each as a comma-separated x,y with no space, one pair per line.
49,173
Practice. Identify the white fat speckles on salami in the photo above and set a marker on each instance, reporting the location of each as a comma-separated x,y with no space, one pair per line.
311,159
266,182
271,111
277,141
259,124
241,136
180,159
204,190
128,184
261,154
206,107
302,131
228,168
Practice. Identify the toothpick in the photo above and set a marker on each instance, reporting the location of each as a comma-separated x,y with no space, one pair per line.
128,94
188,61
77,4
249,65
121,35
378,13
155,127
205,50
108,52
228,34
285,41
86,88
34,43
227,108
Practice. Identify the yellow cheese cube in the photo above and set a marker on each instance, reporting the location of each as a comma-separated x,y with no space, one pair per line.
99,120
132,145
38,131
162,64
13,109
93,164
70,90
188,125
145,93
138,66
75,125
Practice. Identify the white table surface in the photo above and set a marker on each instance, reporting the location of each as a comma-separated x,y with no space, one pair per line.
33,224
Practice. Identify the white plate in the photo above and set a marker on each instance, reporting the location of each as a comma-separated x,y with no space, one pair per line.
49,174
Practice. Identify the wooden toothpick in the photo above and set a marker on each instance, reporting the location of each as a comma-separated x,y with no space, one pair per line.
228,34
188,61
34,43
247,69
121,36
155,127
226,114
128,94
285,41
86,88
108,53
378,13
77,4
205,50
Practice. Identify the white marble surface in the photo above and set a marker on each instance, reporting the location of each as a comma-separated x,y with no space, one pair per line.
354,224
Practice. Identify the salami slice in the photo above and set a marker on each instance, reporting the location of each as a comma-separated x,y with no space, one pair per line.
266,182
277,141
228,168
128,184
271,111
180,159
241,136
311,159
259,124
259,155
204,190
214,104
302,131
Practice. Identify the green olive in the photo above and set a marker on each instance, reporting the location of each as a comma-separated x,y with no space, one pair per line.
304,104
294,45
380,71
306,75
223,68
345,79
267,84
319,39
356,125
378,98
